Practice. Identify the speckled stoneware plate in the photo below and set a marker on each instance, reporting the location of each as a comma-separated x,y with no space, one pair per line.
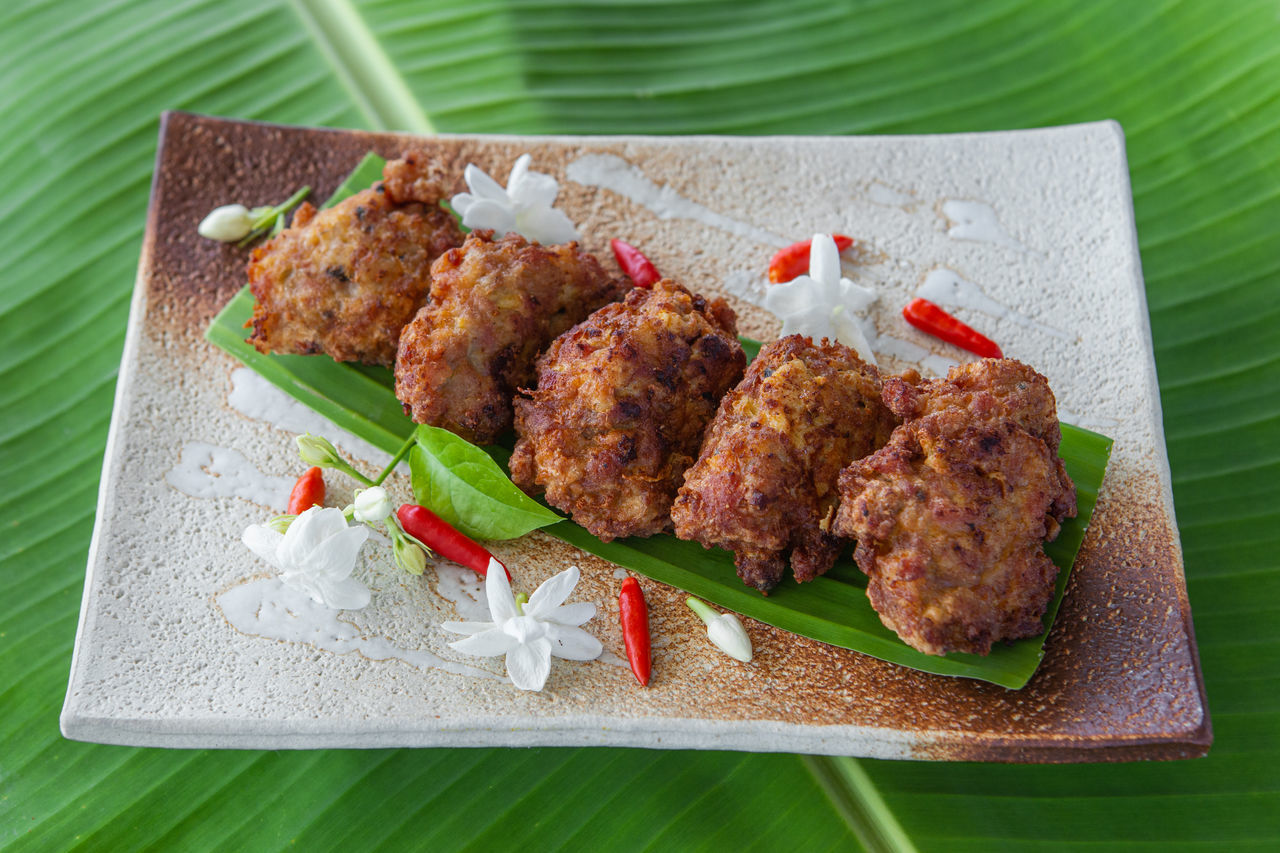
187,640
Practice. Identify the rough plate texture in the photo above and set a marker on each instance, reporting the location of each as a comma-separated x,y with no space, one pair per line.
1040,222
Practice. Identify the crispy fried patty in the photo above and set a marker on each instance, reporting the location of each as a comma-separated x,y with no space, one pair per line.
344,281
495,306
988,389
621,405
765,481
951,516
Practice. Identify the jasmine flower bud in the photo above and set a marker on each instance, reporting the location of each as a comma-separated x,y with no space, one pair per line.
730,637
724,630
408,555
372,505
316,450
227,224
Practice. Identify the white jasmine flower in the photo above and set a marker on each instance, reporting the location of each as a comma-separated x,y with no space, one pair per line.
530,634
525,206
227,224
316,556
724,630
822,304
372,505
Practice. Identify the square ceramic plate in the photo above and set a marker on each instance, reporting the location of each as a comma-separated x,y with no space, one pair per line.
186,640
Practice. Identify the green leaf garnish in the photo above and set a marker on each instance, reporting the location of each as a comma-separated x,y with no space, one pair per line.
464,485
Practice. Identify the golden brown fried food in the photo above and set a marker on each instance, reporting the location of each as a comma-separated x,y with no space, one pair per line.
495,305
950,517
346,280
989,389
765,481
621,405
952,514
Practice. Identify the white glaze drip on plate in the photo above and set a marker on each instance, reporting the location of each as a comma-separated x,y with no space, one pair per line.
946,287
613,173
259,400
464,589
883,194
207,471
747,286
608,657
976,221
912,354
265,607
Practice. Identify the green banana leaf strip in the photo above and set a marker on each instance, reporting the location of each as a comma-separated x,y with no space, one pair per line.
364,175
832,609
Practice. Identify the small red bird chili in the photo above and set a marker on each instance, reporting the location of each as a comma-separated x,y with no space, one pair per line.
927,317
635,264
793,260
440,536
635,629
307,492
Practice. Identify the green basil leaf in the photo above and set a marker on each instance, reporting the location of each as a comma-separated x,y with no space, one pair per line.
463,485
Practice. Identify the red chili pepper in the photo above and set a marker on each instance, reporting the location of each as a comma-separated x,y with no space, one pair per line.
635,628
307,492
635,264
440,536
927,317
792,261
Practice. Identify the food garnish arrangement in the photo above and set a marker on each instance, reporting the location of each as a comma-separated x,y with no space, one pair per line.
542,384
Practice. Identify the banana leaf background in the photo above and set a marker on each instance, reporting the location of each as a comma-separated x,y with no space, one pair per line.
1196,86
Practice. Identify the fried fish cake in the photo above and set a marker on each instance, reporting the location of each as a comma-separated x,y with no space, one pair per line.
344,281
621,405
989,389
765,481
951,517
494,307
